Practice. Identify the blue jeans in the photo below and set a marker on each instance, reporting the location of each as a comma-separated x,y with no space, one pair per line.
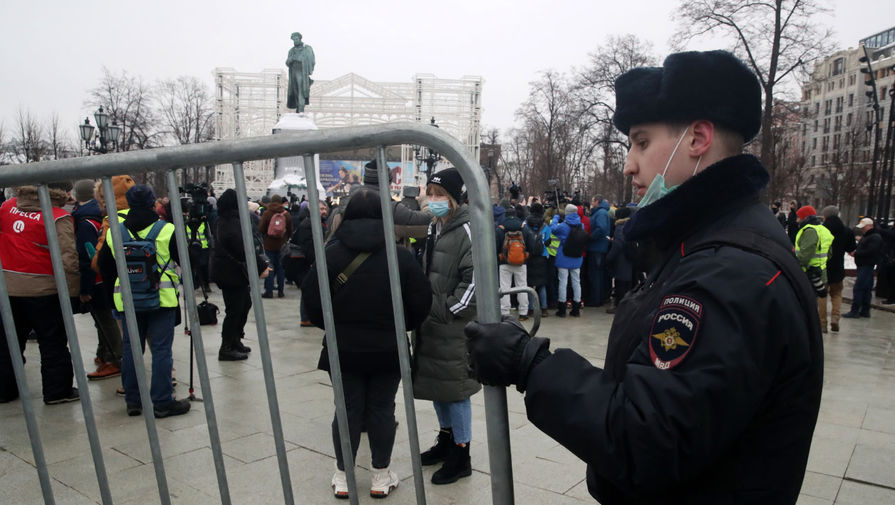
863,291
158,326
277,270
564,274
542,294
458,417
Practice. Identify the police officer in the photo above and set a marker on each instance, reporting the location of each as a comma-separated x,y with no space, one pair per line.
714,367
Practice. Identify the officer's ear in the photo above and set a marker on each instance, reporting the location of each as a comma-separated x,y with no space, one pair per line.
702,137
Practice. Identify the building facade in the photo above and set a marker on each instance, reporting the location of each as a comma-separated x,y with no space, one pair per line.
837,125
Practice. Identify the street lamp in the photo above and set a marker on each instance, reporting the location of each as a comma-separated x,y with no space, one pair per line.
431,156
109,134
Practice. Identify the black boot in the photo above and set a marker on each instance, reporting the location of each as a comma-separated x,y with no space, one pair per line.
456,465
438,452
561,309
576,309
228,353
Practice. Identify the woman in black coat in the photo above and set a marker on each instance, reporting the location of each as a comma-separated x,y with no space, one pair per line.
230,272
365,331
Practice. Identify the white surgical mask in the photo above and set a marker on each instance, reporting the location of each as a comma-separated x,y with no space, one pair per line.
657,188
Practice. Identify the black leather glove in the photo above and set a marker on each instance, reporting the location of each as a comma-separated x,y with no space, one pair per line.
501,354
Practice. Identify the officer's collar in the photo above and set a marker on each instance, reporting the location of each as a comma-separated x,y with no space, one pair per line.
722,186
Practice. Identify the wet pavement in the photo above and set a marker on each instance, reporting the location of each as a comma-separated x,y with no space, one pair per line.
852,458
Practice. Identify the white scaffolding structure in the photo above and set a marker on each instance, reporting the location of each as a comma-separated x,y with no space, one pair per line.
250,104
247,105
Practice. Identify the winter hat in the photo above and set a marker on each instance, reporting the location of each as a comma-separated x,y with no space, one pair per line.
265,199
83,191
806,211
571,209
536,209
371,174
829,211
710,85
511,211
451,181
140,197
227,201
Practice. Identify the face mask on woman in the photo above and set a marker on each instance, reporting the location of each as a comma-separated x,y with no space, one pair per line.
439,208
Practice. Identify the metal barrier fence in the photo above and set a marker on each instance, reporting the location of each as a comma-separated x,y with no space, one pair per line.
236,152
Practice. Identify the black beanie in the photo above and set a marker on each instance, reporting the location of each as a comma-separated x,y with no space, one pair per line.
711,85
371,174
140,197
450,180
537,209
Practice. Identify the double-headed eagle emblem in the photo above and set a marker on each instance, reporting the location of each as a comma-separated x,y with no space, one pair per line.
670,339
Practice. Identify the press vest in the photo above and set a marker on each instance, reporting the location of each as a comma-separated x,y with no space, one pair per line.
553,245
24,248
168,285
824,242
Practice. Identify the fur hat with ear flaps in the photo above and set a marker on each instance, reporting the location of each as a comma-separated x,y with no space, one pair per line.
711,85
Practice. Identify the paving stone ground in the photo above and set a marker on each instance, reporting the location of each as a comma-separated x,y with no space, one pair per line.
851,462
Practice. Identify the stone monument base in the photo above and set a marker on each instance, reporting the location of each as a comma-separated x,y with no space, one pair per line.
289,172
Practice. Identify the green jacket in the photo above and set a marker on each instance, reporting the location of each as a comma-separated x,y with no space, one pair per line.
440,366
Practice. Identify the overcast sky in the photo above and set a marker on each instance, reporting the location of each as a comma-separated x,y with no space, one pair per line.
53,51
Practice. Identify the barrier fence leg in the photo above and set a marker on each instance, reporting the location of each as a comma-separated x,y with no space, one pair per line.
394,278
18,368
332,347
134,337
196,339
261,323
68,317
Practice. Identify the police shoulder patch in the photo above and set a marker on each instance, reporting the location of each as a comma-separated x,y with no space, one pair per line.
674,330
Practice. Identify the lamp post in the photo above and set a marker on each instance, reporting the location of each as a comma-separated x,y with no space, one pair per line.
888,167
431,156
109,134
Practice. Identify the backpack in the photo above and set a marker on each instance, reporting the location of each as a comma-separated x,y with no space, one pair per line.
277,226
143,268
514,252
537,243
576,242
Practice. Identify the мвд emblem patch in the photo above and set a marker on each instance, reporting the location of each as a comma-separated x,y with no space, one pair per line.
674,330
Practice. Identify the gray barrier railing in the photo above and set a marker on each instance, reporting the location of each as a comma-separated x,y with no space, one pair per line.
236,152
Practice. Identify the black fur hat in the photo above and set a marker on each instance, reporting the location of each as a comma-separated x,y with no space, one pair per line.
711,85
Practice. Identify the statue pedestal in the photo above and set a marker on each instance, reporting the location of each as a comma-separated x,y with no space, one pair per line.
289,173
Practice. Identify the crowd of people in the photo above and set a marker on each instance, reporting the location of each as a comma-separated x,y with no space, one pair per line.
708,307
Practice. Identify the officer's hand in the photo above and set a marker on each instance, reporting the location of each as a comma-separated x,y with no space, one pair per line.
501,354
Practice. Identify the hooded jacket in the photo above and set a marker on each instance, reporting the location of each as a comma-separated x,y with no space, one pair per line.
34,285
88,224
409,223
561,230
228,266
366,338
600,227
536,265
440,366
274,243
729,422
120,185
843,242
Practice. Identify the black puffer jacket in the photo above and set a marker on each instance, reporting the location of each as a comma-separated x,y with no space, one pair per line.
843,242
714,367
228,266
536,265
362,308
870,249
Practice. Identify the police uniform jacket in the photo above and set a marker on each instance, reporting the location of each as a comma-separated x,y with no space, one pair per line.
713,371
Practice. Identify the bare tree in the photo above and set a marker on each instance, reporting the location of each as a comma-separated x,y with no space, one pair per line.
128,100
59,143
30,143
595,96
185,110
777,38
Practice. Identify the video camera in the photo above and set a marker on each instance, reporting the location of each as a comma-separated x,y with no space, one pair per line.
196,204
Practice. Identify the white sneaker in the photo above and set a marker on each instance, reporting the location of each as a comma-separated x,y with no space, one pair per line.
384,481
340,484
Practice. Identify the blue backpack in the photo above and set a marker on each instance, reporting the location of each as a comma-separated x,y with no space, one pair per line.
142,267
